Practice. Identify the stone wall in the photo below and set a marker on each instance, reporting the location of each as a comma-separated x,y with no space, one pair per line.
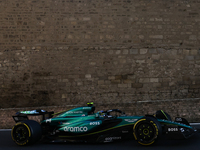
111,52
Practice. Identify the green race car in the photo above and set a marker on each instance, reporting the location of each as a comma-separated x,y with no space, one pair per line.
82,124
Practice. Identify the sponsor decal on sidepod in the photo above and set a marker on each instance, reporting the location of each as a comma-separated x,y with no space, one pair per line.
75,129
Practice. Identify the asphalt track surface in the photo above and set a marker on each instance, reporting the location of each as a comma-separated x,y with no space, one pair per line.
193,143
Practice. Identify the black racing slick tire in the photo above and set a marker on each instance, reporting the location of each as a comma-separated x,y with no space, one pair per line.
26,132
147,130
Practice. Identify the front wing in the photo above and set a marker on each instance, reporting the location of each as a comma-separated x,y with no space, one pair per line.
175,130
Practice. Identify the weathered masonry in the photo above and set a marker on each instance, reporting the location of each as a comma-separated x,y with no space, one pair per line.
138,55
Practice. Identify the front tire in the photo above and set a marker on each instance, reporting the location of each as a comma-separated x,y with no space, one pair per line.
146,130
26,132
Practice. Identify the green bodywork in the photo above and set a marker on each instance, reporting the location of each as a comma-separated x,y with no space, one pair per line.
79,121
167,122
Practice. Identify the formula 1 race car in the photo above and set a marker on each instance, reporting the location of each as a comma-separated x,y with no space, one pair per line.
82,124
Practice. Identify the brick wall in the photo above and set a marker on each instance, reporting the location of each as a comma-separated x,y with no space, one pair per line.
69,52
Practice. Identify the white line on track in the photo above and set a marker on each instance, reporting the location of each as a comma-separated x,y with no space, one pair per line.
194,124
5,129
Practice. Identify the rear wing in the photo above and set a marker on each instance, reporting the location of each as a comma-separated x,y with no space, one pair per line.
23,115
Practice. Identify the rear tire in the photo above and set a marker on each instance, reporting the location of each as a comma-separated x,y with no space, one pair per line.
26,132
146,130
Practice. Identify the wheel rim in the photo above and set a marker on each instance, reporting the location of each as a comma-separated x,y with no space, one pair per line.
145,132
21,134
